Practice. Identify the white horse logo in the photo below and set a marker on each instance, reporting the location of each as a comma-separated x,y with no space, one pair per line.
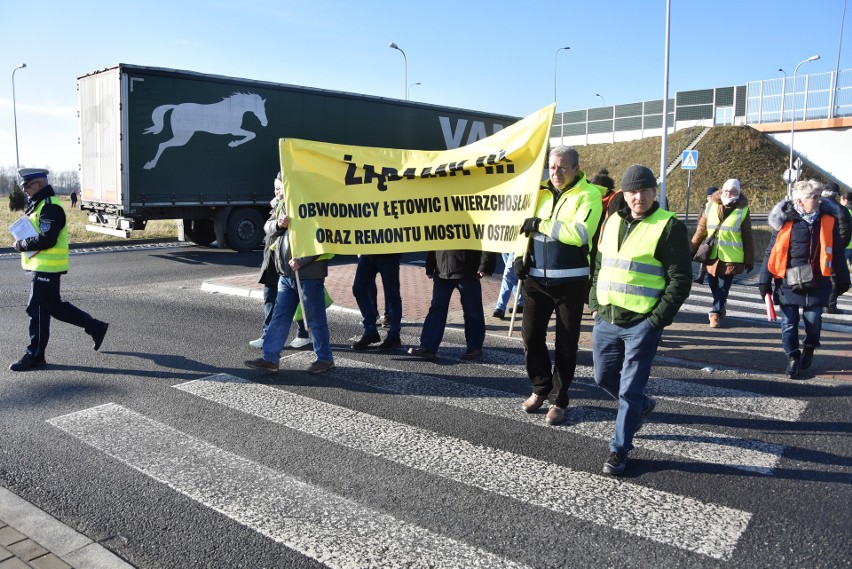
224,117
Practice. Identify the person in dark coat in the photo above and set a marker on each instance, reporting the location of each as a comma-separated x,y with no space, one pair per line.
455,270
806,234
830,195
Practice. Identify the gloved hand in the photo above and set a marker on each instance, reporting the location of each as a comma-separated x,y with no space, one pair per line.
520,268
764,289
530,225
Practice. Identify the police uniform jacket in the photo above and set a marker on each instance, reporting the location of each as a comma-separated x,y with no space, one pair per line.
50,223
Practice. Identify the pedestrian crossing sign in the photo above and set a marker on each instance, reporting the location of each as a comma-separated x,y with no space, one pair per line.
689,160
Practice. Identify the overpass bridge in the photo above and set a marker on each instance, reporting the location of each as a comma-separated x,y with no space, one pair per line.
818,106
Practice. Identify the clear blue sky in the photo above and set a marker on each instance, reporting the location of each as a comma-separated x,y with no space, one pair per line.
494,56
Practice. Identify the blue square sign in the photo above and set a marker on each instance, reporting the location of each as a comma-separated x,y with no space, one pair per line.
689,160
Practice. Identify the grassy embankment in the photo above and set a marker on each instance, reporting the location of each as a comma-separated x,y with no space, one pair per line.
77,221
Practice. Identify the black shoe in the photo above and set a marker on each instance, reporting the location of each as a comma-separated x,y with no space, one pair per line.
833,310
423,354
807,357
366,341
471,354
390,343
649,408
498,313
519,310
793,367
615,464
98,335
27,363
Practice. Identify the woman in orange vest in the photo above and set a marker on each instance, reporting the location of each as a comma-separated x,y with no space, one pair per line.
802,247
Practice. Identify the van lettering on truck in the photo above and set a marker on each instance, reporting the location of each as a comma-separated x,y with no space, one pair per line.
202,149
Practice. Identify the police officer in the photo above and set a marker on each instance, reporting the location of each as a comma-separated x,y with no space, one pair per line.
45,254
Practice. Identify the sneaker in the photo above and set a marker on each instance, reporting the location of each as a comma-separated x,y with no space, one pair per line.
98,335
256,343
498,313
533,403
423,354
807,357
260,363
471,354
615,464
27,363
366,341
793,367
555,415
649,408
390,343
714,320
301,343
320,366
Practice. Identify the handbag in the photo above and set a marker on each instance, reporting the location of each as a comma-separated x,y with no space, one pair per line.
702,254
801,278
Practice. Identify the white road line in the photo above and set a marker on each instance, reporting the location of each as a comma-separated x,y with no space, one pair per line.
676,440
315,522
716,397
667,518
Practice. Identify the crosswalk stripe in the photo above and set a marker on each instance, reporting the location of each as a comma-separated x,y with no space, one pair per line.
683,522
319,524
703,446
691,392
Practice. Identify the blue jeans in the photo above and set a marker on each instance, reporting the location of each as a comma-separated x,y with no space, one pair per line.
470,291
720,287
509,284
270,293
364,287
812,316
282,317
622,356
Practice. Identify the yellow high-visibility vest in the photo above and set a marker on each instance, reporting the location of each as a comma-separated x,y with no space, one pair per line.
630,276
53,260
729,241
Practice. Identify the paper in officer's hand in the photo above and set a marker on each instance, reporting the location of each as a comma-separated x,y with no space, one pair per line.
22,229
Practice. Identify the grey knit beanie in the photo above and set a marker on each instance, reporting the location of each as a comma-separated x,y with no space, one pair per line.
638,177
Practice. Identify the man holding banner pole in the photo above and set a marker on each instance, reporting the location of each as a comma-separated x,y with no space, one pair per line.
301,281
567,212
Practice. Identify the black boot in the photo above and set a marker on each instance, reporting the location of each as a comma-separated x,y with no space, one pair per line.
807,357
793,367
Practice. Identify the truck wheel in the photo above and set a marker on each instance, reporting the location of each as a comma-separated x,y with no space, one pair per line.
199,231
245,229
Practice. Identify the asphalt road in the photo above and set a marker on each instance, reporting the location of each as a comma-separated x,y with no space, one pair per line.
164,448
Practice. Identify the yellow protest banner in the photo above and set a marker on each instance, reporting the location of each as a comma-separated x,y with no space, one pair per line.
354,200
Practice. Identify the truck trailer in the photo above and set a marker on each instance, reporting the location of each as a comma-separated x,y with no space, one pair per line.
202,149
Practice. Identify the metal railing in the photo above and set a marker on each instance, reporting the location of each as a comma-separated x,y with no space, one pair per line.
779,100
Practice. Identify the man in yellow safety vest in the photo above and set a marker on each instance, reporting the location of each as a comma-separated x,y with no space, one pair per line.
643,274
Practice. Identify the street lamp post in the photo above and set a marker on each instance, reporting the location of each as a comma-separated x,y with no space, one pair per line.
15,115
602,98
793,123
783,88
392,45
555,70
409,88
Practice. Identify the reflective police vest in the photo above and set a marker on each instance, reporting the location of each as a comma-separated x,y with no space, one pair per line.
630,276
53,260
729,241
779,256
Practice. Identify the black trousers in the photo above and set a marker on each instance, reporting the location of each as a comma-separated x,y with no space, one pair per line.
540,302
46,303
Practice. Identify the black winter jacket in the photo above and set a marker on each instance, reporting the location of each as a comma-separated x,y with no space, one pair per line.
457,264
